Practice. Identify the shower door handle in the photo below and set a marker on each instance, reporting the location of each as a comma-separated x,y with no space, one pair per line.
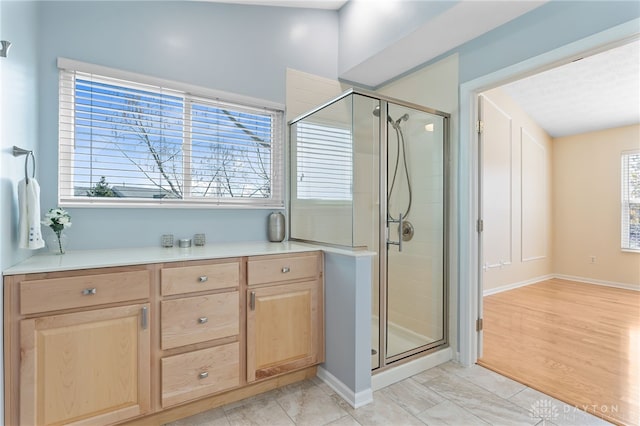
400,226
400,223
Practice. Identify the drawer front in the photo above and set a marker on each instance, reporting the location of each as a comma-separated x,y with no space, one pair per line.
87,290
200,373
198,319
282,268
189,279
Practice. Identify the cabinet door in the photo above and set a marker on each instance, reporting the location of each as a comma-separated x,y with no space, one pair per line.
87,367
283,328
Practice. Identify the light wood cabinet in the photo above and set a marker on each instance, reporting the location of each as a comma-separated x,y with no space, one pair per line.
52,294
284,320
88,367
197,319
198,358
274,269
200,373
282,329
153,343
194,278
77,346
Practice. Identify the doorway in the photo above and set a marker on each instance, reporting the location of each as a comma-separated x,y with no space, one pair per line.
468,170
522,287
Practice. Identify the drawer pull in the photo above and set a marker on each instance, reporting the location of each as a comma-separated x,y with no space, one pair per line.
203,375
203,320
89,291
203,279
285,269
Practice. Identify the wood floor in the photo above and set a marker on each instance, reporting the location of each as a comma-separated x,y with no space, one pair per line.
577,342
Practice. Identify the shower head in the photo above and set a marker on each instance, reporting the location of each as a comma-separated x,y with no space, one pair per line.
405,117
376,112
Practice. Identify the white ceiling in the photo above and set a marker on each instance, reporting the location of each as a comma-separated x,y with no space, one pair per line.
597,92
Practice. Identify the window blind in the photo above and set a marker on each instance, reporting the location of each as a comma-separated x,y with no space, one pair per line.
130,142
324,162
631,200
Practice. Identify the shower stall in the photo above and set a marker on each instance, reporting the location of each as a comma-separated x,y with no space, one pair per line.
370,172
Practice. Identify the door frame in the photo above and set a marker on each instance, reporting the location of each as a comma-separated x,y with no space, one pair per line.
469,168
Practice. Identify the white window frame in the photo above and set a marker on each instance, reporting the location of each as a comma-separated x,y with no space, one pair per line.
66,196
626,200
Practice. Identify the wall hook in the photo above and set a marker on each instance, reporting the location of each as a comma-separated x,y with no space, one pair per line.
4,48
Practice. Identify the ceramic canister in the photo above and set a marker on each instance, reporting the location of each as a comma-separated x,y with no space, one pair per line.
275,228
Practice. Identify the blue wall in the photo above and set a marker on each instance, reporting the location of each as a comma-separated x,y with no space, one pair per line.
234,48
18,115
546,28
18,124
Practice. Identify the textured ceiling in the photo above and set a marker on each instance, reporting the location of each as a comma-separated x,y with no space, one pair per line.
597,92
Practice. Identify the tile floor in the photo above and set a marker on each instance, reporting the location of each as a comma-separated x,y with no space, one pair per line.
445,395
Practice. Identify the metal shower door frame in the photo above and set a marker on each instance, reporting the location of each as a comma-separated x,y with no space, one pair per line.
383,140
385,362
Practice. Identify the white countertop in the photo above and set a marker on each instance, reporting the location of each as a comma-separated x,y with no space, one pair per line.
86,259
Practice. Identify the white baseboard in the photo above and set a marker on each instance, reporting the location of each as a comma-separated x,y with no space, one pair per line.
500,289
411,368
355,399
561,277
598,282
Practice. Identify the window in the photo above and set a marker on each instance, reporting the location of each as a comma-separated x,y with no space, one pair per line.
324,163
141,141
631,200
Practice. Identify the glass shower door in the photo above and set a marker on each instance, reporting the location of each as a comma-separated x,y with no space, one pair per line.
415,217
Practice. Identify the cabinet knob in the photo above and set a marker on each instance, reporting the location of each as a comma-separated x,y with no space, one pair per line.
89,291
285,269
203,279
203,320
203,375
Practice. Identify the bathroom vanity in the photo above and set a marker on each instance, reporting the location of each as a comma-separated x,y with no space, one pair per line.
150,336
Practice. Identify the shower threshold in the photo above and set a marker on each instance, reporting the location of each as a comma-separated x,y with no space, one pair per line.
399,339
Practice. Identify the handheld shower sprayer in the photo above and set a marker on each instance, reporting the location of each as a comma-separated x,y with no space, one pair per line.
405,228
394,124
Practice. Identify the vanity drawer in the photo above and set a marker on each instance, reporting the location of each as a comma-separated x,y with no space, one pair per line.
198,319
189,279
200,373
268,269
53,294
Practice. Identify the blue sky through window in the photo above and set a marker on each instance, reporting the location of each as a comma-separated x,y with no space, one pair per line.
152,144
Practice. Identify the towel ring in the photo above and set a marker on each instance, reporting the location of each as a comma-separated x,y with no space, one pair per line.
26,166
17,151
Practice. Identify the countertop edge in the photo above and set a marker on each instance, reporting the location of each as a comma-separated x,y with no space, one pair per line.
107,258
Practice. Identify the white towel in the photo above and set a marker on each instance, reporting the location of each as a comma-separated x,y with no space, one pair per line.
29,231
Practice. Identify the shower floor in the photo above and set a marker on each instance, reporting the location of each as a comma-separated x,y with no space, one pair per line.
399,340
